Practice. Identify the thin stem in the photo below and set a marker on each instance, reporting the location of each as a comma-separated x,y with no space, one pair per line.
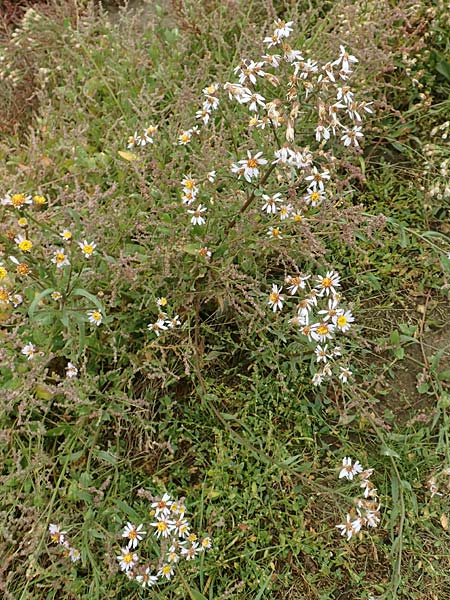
250,199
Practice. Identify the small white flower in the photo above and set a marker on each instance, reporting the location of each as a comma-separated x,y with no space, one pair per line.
87,248
95,317
270,203
350,528
211,176
71,370
185,137
157,327
345,374
275,298
166,571
349,470
163,505
29,350
197,215
60,259
74,554
127,559
352,135
145,579
133,534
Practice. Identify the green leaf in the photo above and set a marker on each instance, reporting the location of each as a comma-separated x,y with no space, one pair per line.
39,297
444,375
389,452
443,67
196,595
89,296
126,508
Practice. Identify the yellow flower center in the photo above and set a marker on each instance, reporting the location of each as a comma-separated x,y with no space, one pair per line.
132,535
166,569
326,282
315,196
96,316
252,163
190,184
275,232
18,200
274,297
185,137
23,269
56,295
39,200
342,321
128,558
3,272
298,217
22,222
25,245
4,295
88,249
60,257
192,537
323,329
162,526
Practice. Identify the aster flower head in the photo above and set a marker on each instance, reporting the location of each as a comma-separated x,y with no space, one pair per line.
87,248
127,559
275,298
133,534
349,469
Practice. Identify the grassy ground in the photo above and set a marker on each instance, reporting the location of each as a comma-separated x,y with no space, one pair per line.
221,410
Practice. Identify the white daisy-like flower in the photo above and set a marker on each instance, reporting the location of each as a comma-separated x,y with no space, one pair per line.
270,203
162,506
275,232
345,374
276,299
66,235
60,259
133,534
190,552
87,248
197,215
166,571
350,469
127,559
71,370
327,284
29,350
95,317
351,136
157,327
345,60
317,180
185,137
350,528
321,332
145,579
74,554
251,165
343,320
296,282
322,353
57,536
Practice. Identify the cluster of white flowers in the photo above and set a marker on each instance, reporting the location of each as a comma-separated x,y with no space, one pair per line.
146,137
367,510
318,318
60,537
177,542
163,322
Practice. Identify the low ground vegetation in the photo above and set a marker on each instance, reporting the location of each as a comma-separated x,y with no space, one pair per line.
224,263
